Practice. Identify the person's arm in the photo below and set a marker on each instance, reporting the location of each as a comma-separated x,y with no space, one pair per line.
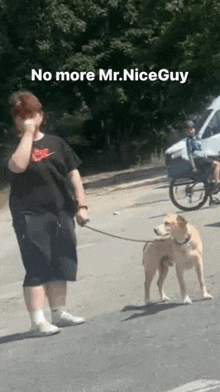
79,195
191,159
19,161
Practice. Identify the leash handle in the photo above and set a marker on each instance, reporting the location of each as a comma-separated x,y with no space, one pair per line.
84,222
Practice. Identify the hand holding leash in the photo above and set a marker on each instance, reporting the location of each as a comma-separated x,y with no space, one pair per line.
83,222
81,215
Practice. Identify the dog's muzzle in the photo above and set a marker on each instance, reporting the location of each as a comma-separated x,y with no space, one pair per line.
158,232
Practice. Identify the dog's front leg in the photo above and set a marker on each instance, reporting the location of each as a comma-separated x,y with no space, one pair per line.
163,271
149,274
185,297
200,274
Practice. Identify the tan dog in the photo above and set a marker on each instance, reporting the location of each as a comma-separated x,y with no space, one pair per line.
181,245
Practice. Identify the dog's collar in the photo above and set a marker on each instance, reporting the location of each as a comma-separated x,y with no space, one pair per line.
187,239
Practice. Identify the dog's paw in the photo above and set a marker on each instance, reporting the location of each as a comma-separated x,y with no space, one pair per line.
148,302
187,300
207,296
165,298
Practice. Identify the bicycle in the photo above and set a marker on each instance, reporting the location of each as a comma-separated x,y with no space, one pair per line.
191,192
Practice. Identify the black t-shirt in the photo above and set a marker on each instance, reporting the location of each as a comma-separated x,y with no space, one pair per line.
44,186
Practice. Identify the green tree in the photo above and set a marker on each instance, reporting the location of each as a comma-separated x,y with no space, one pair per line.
63,35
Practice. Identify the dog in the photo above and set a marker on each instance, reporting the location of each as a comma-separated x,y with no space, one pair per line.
180,244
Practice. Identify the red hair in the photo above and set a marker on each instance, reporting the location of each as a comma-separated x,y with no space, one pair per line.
25,105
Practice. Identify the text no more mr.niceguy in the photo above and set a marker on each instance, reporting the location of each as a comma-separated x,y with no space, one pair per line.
109,75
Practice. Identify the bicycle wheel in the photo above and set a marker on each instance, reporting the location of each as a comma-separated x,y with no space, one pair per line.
188,194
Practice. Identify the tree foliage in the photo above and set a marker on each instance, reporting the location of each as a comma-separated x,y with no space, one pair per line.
64,35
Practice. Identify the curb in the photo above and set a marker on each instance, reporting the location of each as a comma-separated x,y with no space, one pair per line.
137,184
123,180
111,188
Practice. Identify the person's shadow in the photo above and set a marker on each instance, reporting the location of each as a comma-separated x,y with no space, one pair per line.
16,337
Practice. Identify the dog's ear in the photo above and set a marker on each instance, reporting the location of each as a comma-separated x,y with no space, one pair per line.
181,221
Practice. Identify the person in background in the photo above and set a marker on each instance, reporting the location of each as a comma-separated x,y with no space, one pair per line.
198,158
46,193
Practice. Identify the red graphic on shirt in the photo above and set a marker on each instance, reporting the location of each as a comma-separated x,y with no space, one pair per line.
37,154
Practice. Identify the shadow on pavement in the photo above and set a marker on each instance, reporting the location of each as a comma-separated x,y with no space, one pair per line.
16,337
148,202
216,224
149,310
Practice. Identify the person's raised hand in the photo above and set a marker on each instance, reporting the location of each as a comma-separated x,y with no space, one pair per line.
33,122
29,124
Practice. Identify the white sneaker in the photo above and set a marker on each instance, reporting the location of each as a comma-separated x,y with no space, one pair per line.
66,319
44,329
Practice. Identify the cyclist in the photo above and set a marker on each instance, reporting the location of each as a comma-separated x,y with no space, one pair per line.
198,158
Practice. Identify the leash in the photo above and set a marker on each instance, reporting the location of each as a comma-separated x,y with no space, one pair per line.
84,224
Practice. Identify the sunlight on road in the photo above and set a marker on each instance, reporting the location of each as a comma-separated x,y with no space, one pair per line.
198,386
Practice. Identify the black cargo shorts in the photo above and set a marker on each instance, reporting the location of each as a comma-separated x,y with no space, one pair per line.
204,163
47,244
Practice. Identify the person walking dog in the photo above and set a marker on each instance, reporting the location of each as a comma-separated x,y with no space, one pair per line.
46,193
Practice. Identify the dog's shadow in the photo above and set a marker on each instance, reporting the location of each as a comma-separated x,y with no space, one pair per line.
149,309
216,224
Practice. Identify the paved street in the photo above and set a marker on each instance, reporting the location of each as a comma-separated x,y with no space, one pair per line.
123,346
157,348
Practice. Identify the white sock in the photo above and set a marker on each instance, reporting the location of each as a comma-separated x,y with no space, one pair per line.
37,317
56,313
58,309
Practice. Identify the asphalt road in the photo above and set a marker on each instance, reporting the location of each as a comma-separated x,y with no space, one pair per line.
124,346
